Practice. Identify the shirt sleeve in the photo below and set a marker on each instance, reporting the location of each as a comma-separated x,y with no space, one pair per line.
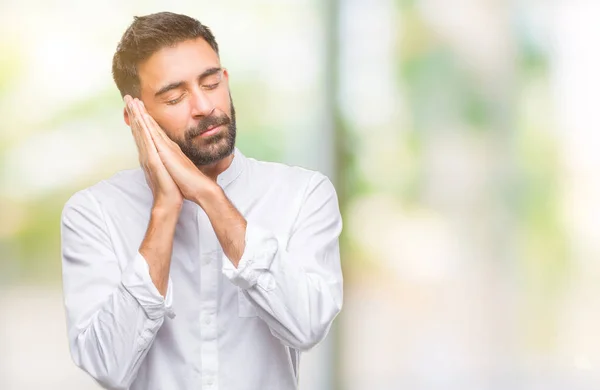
296,285
113,314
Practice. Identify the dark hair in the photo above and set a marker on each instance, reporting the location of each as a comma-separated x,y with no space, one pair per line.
147,35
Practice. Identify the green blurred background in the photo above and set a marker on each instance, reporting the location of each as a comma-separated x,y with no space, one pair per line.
462,136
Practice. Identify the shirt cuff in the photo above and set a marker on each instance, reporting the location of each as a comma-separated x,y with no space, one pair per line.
136,279
259,252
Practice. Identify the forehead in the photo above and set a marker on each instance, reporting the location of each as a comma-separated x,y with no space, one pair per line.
182,62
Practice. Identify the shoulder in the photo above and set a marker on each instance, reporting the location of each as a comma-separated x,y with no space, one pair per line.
120,187
297,184
284,174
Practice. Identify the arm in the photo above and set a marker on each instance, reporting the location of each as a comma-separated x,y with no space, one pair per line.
227,222
113,315
157,246
296,285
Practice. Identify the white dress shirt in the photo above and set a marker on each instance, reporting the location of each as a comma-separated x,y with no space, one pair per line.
218,327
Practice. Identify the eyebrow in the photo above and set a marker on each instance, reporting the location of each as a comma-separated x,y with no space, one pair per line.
179,84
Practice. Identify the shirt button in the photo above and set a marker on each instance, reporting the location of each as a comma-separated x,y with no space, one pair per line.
210,381
207,320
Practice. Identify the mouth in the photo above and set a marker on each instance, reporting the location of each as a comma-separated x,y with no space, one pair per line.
211,130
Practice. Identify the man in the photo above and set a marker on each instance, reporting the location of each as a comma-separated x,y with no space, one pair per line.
204,269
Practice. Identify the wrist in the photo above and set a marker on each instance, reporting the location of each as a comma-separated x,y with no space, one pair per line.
207,194
164,212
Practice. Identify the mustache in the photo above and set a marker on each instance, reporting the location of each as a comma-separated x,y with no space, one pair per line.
205,124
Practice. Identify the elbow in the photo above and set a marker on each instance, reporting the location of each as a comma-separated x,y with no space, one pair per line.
311,327
310,338
114,382
107,379
106,374
111,382
307,341
305,345
302,340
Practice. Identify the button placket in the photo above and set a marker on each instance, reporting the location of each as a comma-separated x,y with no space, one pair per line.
208,302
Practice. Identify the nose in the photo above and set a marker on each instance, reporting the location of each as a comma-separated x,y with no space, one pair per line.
201,104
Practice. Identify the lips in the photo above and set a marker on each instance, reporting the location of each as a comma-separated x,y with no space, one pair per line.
210,131
207,127
210,128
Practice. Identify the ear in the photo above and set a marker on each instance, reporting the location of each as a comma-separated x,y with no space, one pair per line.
226,74
126,116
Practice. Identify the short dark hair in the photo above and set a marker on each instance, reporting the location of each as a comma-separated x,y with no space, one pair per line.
147,35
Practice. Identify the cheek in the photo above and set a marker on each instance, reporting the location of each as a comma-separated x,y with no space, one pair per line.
224,103
174,120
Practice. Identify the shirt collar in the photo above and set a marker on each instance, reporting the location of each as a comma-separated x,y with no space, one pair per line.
234,170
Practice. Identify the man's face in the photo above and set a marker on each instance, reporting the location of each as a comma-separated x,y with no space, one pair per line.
186,91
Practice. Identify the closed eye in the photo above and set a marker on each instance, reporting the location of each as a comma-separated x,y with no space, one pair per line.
174,101
210,86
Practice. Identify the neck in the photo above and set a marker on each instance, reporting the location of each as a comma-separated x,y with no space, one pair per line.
215,169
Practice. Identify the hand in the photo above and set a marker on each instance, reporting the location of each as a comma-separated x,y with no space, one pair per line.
192,183
165,191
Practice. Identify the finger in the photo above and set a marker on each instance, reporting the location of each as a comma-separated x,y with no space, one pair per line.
147,127
150,122
137,128
146,118
156,148
127,101
162,143
129,107
153,126
160,132
163,138
133,125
